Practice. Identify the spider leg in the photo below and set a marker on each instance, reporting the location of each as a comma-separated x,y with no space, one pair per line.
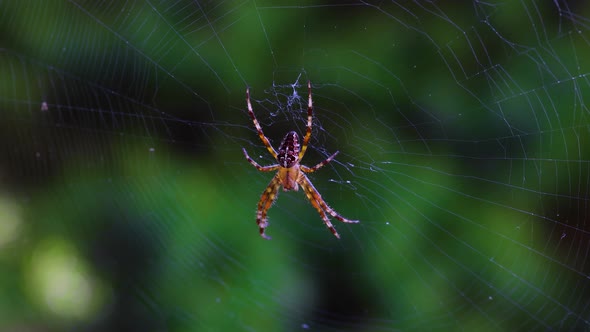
316,200
305,183
260,168
258,128
318,166
336,214
268,197
309,122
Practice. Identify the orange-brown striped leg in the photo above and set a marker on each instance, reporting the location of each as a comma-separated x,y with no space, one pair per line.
309,122
318,166
268,197
258,128
260,168
336,214
315,199
304,182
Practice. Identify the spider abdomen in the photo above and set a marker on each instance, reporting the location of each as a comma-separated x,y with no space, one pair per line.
288,154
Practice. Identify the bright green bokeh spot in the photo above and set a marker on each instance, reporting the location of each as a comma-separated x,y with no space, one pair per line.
61,283
11,222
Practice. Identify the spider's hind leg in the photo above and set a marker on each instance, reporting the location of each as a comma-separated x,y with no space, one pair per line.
268,197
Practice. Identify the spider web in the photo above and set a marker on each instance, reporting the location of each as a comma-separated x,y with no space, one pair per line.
463,131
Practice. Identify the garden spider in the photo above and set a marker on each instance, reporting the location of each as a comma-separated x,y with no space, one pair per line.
290,173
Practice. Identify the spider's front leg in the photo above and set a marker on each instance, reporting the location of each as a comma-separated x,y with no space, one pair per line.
268,197
320,205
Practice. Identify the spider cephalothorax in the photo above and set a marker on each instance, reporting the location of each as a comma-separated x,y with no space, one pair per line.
290,173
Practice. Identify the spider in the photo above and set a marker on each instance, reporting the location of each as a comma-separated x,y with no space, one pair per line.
290,173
